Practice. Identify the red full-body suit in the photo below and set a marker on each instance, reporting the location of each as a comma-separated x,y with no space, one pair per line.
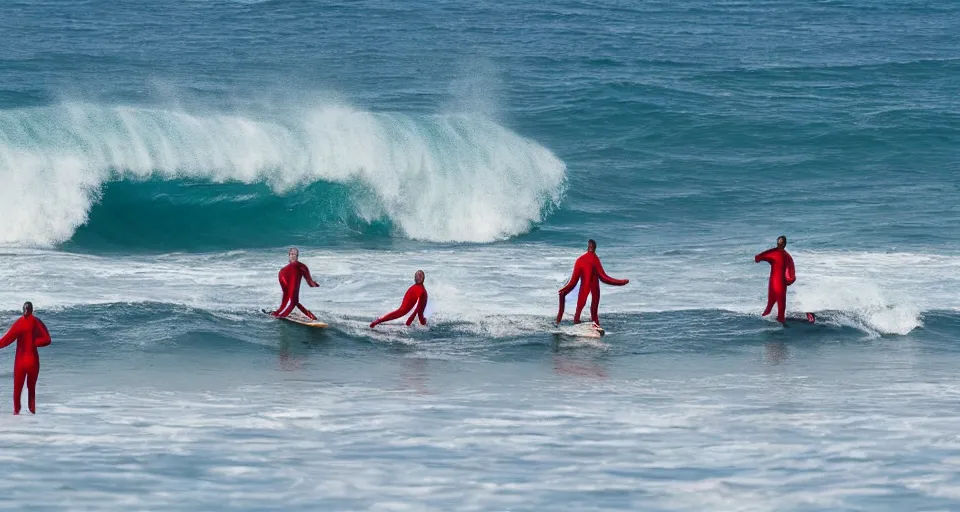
782,275
589,272
29,333
290,277
416,296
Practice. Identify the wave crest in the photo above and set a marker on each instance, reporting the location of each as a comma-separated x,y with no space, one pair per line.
443,178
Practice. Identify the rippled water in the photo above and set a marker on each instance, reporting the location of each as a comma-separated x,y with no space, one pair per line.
157,160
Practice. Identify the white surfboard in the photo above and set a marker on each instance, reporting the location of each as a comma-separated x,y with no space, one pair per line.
298,318
580,331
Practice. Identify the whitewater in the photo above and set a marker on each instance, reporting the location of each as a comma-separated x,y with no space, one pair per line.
880,293
158,160
438,178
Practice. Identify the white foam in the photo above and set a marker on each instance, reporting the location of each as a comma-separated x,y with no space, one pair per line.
439,178
492,290
862,304
714,438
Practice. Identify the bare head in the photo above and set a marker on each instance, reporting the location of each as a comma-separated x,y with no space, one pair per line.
294,254
418,277
781,242
591,246
27,308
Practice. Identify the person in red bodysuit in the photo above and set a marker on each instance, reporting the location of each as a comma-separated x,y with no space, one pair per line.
29,333
589,272
290,284
782,275
416,295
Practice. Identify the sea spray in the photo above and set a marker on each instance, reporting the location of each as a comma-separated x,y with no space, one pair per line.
444,178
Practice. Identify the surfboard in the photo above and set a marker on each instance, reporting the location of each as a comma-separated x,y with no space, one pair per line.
581,331
298,318
808,318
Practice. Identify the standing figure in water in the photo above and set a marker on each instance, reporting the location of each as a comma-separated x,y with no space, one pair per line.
290,277
29,333
416,296
782,275
589,272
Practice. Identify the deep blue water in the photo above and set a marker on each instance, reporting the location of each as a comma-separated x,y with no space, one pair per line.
157,158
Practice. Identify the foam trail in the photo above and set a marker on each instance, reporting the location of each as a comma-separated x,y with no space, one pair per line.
443,178
498,290
861,304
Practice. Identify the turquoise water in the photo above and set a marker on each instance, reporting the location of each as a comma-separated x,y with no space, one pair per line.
158,158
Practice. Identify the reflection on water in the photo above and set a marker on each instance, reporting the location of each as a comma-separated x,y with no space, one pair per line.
776,352
572,366
294,344
414,376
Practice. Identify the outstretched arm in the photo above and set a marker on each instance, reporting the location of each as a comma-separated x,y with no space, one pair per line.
306,275
607,279
41,336
764,256
790,273
577,273
574,279
12,334
421,307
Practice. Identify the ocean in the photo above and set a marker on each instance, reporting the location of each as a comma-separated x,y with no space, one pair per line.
157,160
